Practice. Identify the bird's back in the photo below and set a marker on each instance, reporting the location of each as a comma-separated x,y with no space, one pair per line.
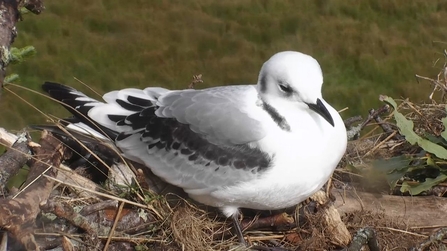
199,140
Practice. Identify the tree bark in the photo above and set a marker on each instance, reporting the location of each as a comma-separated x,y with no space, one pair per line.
9,15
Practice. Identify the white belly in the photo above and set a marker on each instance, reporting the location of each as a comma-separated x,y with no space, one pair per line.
295,176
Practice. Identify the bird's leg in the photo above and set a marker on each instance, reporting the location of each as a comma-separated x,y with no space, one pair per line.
238,229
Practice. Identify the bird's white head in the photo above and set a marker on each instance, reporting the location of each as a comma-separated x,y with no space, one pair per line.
293,79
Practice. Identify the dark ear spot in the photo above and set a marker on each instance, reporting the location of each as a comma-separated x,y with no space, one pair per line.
285,88
263,83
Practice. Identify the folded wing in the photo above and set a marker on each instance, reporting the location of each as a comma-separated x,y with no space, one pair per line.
196,139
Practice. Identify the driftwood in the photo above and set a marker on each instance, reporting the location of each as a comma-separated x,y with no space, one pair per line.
17,214
414,211
14,159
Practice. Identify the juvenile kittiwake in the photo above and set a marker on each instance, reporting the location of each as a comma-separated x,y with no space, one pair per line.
266,146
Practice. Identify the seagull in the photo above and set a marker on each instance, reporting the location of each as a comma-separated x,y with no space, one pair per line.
265,147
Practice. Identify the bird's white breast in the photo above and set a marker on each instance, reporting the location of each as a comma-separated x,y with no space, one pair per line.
298,169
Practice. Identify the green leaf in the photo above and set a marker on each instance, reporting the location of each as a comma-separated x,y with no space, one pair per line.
11,78
437,140
352,168
423,186
444,122
19,55
23,11
431,162
406,129
393,168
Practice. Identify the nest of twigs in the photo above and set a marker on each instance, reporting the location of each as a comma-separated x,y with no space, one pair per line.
383,139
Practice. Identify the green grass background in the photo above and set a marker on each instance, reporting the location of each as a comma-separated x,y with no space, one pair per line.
365,48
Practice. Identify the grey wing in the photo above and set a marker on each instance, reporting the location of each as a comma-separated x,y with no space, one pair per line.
199,140
219,114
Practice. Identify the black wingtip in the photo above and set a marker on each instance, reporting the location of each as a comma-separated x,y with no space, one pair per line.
73,101
61,92
50,86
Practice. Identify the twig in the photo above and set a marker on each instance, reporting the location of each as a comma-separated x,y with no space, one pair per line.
365,236
112,230
196,79
265,238
431,226
349,121
281,219
67,212
381,143
90,209
402,231
99,193
440,83
434,238
373,115
103,218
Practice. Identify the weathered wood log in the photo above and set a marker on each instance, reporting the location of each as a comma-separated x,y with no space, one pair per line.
17,214
15,158
417,211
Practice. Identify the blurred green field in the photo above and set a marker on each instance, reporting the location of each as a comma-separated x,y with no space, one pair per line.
366,48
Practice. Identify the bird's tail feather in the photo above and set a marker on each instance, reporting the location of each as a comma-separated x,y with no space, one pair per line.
79,104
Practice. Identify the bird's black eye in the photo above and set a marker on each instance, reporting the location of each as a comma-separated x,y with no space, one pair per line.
285,88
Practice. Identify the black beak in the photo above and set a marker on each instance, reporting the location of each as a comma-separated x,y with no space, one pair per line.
321,109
